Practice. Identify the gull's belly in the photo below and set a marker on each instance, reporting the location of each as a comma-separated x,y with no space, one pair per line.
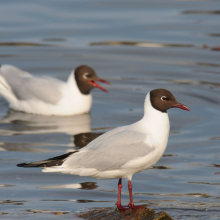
147,161
68,105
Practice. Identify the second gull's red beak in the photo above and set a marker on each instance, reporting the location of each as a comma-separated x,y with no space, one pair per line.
98,86
104,81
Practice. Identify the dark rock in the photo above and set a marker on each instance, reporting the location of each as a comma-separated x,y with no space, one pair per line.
130,214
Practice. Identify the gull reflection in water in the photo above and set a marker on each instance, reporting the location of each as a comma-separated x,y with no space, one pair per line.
85,185
19,123
22,123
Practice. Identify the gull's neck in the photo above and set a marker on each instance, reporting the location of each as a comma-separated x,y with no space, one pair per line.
154,121
72,84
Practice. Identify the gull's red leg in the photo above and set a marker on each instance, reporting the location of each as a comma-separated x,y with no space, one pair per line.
131,203
118,203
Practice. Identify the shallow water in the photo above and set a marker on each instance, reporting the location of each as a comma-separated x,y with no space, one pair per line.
137,46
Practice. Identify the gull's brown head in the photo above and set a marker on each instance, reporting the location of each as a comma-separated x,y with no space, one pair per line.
162,100
86,79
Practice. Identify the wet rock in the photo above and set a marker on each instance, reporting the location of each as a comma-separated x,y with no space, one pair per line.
130,214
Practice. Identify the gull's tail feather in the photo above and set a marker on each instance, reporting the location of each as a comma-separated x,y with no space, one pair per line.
51,162
54,169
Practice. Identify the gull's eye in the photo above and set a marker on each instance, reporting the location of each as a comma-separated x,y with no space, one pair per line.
163,98
86,75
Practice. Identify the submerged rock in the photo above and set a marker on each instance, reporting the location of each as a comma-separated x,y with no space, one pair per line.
130,214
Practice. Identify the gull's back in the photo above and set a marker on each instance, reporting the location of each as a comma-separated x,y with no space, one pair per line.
110,152
25,87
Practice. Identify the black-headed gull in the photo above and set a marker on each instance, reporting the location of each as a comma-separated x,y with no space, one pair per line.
46,95
123,151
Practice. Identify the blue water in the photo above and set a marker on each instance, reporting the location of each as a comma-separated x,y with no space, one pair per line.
137,46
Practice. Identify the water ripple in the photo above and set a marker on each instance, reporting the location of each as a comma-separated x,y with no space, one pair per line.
24,44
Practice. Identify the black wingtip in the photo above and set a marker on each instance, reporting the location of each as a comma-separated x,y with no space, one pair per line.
33,164
55,161
22,164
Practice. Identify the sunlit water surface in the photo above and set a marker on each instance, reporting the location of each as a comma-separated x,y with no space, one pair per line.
137,46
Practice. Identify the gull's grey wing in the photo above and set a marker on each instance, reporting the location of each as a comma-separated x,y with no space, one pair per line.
111,150
26,87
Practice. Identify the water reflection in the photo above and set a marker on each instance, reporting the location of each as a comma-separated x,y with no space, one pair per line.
206,183
215,48
19,123
216,165
6,185
22,147
170,155
215,138
61,212
23,44
140,44
86,200
54,39
214,35
195,82
197,195
216,12
11,202
161,167
15,123
85,185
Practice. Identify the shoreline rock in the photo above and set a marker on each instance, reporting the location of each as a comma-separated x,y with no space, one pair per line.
130,214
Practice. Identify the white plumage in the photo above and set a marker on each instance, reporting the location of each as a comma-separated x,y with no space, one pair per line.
123,151
45,95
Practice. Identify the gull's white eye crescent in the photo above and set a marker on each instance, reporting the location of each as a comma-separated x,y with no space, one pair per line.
86,75
163,98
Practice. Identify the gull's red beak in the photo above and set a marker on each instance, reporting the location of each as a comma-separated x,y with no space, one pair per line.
104,81
98,86
179,105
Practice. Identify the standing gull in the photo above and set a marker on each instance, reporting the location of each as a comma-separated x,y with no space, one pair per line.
123,151
46,95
